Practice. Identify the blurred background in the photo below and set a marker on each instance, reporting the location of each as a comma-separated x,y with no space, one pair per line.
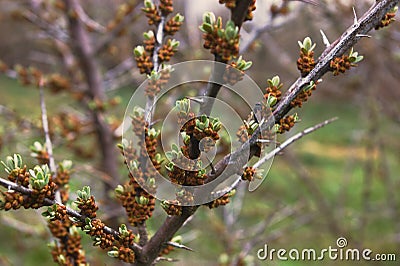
341,181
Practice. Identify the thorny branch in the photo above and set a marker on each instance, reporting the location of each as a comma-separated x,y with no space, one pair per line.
350,37
237,16
47,202
147,254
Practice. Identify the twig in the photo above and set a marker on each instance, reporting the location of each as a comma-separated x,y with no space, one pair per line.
46,27
159,36
238,15
88,21
291,140
45,124
47,202
180,246
366,23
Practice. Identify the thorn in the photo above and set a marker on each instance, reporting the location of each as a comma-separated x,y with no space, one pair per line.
363,36
195,99
166,259
265,141
154,122
324,38
177,245
355,15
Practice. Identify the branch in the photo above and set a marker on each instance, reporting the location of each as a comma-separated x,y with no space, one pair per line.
366,23
49,144
240,11
45,124
371,18
49,29
348,39
291,140
83,48
47,202
238,15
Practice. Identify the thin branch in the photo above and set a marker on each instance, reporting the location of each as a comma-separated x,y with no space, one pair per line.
49,29
180,246
291,140
88,21
159,36
238,15
47,202
45,124
366,23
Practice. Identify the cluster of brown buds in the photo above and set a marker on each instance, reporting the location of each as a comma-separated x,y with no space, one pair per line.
143,60
3,67
273,93
138,204
387,19
168,50
282,10
153,84
151,12
179,161
345,62
225,199
86,203
206,127
248,173
306,61
223,42
69,125
101,105
173,207
250,9
117,246
138,124
39,152
37,179
231,4
234,72
304,95
68,250
166,7
121,249
28,75
173,24
56,83
95,228
149,41
286,123
247,129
